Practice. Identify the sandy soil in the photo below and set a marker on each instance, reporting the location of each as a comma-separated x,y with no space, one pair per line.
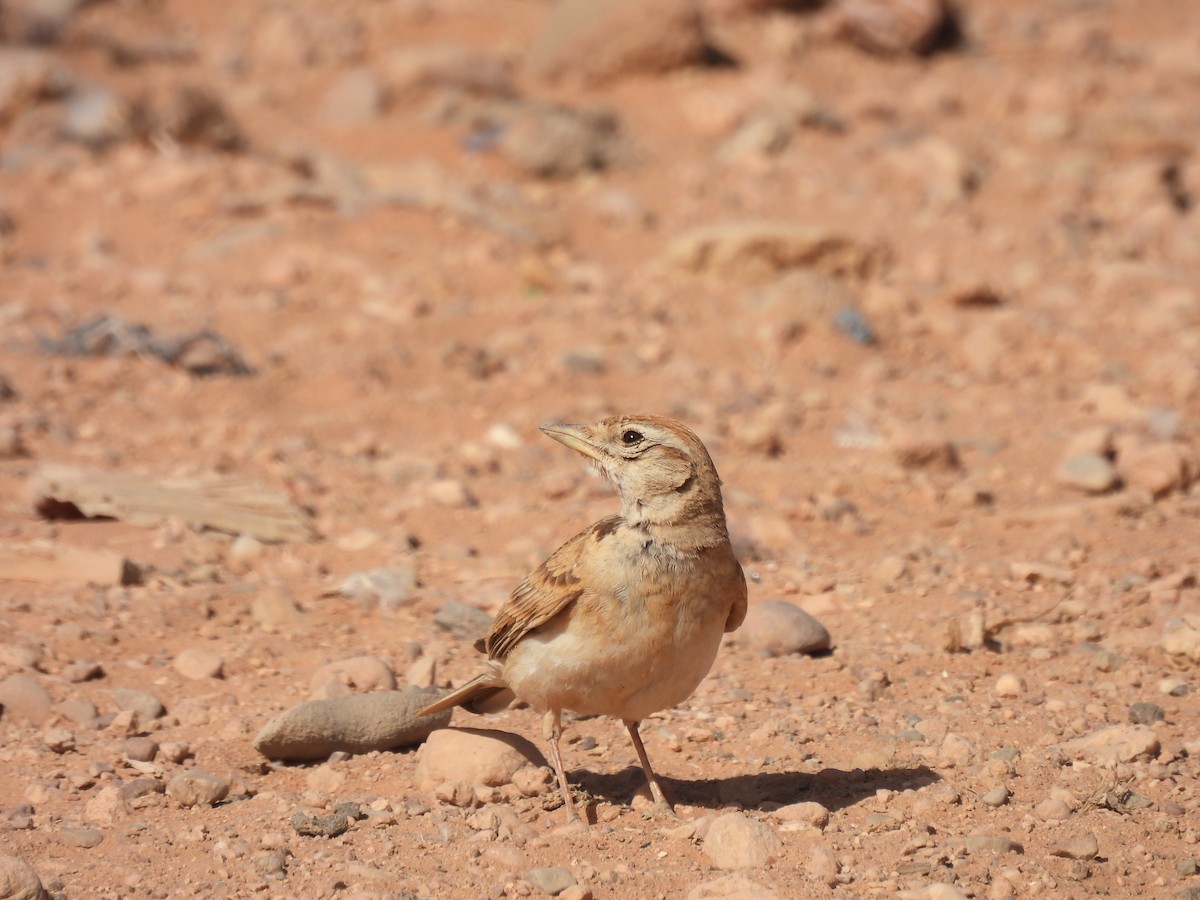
415,289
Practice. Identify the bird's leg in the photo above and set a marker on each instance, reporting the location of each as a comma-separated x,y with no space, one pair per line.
552,731
656,791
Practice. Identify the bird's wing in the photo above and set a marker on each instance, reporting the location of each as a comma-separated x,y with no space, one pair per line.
737,612
547,592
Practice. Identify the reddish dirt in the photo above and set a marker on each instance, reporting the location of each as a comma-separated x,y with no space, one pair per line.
1026,204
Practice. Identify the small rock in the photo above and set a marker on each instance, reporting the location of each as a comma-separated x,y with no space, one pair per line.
140,748
360,723
174,751
532,781
991,843
598,42
474,755
1157,469
1186,867
19,880
821,866
243,552
734,886
463,621
1181,637
1094,441
275,610
807,812
1088,472
23,697
1116,743
889,27
1082,846
996,797
550,141
60,740
95,117
456,793
780,628
147,706
197,788
388,587
359,674
1010,685
81,671
355,98
107,807
1106,661
1052,809
450,493
198,663
1144,713
552,880
78,711
78,837
736,841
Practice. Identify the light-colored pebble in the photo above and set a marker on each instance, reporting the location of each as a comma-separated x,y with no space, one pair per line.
23,697
1081,846
1010,685
199,663
197,788
736,841
475,755
552,880
780,628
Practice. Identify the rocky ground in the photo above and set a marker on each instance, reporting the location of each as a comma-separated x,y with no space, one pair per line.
287,288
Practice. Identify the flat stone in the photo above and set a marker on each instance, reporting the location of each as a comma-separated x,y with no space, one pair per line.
1115,743
1088,472
359,723
1081,846
80,837
552,880
199,663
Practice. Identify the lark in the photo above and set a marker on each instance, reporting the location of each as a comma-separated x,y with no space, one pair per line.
624,619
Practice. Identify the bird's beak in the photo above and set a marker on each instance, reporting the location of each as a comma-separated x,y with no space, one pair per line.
575,437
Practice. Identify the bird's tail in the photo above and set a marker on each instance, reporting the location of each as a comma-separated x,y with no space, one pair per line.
484,693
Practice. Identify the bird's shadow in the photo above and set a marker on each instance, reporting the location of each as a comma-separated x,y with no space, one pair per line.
832,788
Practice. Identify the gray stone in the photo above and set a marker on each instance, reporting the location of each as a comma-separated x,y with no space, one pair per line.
779,628
462,620
1088,472
81,837
1082,846
19,880
552,880
23,697
360,723
197,788
330,825
1143,713
736,841
145,704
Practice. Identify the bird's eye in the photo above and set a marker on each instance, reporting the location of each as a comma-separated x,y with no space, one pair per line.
631,437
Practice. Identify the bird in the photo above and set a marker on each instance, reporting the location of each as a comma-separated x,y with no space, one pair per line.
625,619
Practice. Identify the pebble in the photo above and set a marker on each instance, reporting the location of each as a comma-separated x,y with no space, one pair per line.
475,755
23,697
1010,685
807,812
107,807
996,797
552,880
78,711
1181,637
199,663
197,788
1082,846
80,837
243,552
1088,472
1052,809
736,841
991,843
821,866
463,621
140,748
735,886
358,674
275,610
1157,469
532,781
1115,743
1144,713
388,587
19,880
60,740
888,27
145,704
780,628
551,141
359,723
354,98
596,43
938,891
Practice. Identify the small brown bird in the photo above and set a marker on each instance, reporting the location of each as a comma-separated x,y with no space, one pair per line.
625,618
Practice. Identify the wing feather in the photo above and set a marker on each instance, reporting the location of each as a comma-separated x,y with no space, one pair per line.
549,591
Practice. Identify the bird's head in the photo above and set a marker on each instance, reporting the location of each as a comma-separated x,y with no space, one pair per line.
661,470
